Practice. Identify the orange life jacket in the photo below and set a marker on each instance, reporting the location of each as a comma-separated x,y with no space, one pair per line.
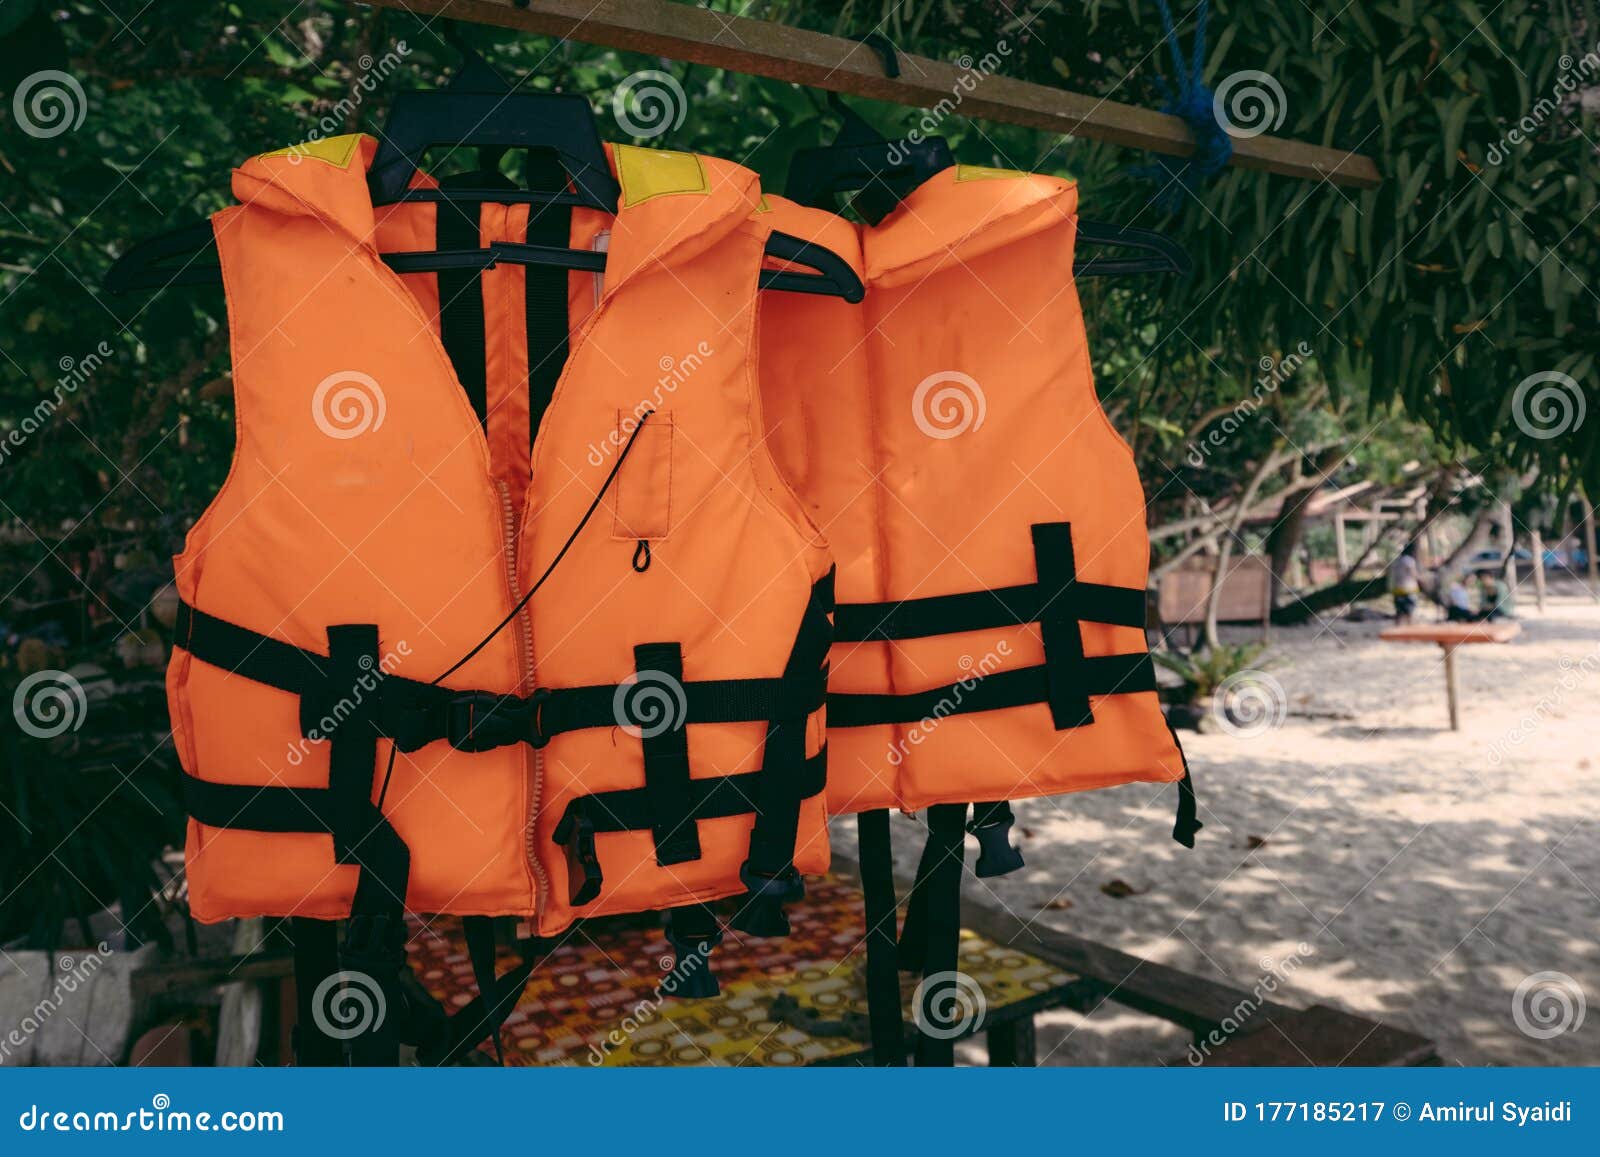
987,520
415,453
988,525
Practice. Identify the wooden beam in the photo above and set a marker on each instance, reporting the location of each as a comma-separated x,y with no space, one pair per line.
815,59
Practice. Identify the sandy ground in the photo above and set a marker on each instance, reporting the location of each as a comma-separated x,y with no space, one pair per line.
1358,854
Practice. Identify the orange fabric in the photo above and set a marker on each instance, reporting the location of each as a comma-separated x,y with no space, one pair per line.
364,490
928,429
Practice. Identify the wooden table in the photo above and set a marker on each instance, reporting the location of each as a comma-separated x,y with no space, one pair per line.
1449,636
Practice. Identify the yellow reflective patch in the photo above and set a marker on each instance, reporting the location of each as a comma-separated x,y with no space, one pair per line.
762,206
336,151
646,173
985,173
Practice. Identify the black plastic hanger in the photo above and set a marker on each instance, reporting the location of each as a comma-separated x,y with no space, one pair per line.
478,109
882,173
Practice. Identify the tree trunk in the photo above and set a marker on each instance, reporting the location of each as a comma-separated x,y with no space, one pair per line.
1273,462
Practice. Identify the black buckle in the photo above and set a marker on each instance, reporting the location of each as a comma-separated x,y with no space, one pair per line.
997,856
374,945
482,720
575,833
691,974
761,913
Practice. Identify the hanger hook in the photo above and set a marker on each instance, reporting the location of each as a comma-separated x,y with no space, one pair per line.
887,52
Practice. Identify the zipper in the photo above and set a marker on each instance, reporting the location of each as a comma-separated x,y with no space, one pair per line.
523,625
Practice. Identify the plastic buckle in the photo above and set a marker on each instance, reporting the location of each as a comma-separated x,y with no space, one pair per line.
997,855
762,913
373,946
575,833
691,974
481,720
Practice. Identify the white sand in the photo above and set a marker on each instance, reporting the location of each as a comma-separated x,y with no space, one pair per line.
1427,872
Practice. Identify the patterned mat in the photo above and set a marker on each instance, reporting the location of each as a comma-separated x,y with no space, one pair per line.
601,995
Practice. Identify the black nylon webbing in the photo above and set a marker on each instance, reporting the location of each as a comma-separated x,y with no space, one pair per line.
885,1017
415,713
316,957
1102,675
461,291
1058,624
666,758
777,823
941,913
983,610
545,289
353,754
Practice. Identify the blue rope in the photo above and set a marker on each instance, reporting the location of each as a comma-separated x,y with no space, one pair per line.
1193,103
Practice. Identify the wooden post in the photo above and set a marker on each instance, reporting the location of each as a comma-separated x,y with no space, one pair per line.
1536,544
763,48
1340,547
1451,691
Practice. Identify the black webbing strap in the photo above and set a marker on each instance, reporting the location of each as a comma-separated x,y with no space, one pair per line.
885,1017
629,810
666,752
1100,675
415,714
374,945
940,906
710,798
545,288
769,871
353,751
257,657
1058,623
461,324
982,611
1186,825
1058,601
316,957
693,931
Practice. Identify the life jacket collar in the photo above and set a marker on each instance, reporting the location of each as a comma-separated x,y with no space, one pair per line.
961,214
673,206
